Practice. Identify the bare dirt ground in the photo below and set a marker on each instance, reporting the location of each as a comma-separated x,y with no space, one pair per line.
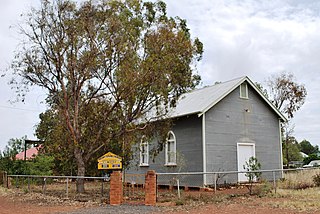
16,203
11,206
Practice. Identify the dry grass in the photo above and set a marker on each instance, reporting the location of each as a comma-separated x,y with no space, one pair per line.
299,179
297,191
301,200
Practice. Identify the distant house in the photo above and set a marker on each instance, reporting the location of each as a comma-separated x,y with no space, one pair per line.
217,128
30,154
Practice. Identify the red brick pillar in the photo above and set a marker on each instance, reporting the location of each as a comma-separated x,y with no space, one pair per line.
151,188
116,188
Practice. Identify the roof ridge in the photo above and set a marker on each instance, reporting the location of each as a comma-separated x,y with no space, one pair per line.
214,85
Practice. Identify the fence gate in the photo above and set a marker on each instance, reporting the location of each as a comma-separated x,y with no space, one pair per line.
134,188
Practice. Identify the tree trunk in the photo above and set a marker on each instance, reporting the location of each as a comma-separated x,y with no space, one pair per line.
81,170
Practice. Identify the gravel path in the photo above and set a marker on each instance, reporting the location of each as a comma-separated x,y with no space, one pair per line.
108,209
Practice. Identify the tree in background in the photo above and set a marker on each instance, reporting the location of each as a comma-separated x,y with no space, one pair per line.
7,157
109,68
40,165
292,151
288,96
14,146
306,147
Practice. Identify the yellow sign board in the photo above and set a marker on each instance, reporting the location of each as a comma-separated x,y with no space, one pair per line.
110,161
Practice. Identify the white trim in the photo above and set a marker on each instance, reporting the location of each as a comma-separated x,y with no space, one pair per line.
280,144
174,163
254,87
244,84
254,154
204,148
144,142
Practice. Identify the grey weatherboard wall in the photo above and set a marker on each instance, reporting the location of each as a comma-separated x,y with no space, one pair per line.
228,123
188,133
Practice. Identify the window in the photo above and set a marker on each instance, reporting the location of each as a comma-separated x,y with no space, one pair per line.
170,150
244,91
144,152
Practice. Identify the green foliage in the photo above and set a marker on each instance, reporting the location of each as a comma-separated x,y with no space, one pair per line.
14,146
41,165
286,94
263,189
306,147
252,165
105,66
291,152
310,158
262,89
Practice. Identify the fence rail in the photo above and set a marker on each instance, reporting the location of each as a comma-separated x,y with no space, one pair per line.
62,186
214,179
134,184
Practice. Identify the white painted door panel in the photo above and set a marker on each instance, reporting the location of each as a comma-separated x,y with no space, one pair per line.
245,151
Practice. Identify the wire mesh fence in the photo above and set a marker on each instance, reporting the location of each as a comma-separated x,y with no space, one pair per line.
169,185
96,188
134,188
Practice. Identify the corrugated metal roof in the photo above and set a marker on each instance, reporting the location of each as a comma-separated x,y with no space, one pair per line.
197,101
30,153
201,100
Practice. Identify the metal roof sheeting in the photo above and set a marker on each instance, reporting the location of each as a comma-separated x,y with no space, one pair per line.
201,100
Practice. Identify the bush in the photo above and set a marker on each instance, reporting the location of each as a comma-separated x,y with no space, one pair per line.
263,189
316,180
252,165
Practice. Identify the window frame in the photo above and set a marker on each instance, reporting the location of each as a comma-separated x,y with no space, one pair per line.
170,140
244,96
144,151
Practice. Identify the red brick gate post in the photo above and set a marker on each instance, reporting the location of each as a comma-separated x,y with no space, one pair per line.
151,188
116,188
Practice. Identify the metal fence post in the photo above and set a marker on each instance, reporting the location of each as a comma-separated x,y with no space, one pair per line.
102,189
274,181
7,180
178,186
67,188
17,184
28,184
45,185
215,182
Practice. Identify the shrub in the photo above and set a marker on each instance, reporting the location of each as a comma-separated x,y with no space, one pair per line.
252,165
263,189
316,180
179,202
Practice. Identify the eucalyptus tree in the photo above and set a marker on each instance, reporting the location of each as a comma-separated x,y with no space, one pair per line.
286,93
105,65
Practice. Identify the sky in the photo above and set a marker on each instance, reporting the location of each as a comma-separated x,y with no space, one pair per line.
253,38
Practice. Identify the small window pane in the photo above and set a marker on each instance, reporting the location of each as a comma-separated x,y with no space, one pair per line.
244,90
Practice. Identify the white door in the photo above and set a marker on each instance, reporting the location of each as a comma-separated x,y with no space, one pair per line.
245,151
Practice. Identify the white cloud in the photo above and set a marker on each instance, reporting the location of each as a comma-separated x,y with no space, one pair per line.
260,38
254,38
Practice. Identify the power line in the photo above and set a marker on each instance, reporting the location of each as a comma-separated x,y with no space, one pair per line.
21,109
